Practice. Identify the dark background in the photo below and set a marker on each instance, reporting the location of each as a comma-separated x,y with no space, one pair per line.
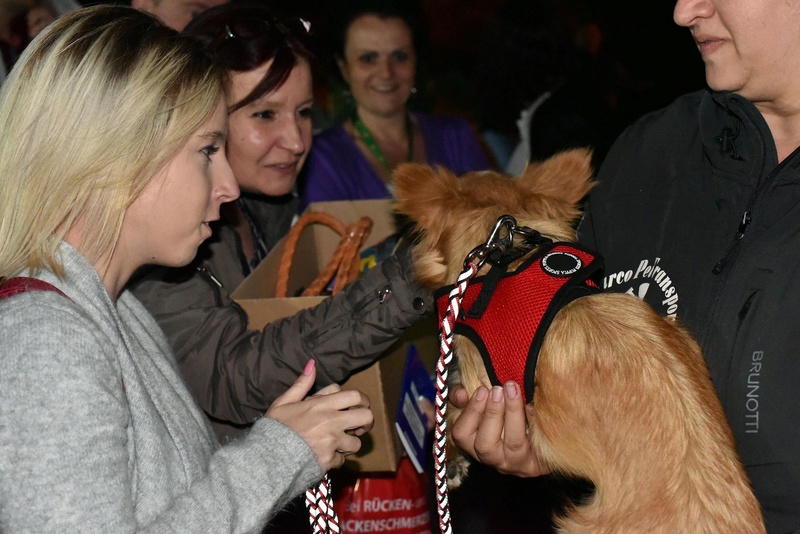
656,59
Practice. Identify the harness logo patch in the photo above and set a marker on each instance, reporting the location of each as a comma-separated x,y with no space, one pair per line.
561,264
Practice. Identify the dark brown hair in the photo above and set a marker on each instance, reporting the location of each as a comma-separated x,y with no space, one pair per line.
241,36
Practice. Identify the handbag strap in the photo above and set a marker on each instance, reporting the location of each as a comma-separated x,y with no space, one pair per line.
344,265
21,284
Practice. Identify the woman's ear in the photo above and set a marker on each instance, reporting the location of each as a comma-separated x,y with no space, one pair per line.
340,62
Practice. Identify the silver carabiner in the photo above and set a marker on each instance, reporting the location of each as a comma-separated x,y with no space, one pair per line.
510,224
494,241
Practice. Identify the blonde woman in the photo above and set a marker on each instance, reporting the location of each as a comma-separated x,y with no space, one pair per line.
112,157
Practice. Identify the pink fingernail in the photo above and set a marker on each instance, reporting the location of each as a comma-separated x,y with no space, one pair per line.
309,367
481,394
497,393
512,390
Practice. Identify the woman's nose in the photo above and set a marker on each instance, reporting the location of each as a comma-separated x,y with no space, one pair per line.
226,188
293,138
687,12
385,68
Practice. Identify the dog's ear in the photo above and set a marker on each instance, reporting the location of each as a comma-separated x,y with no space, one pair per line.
565,176
423,193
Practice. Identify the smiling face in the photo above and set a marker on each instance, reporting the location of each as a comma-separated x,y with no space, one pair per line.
379,64
270,138
170,218
748,46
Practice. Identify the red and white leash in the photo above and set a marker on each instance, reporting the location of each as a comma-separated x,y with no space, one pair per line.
446,355
319,501
322,516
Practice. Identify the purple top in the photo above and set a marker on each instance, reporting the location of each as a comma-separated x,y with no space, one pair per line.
336,169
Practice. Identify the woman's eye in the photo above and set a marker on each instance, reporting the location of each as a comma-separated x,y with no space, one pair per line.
368,59
265,114
306,113
401,57
209,151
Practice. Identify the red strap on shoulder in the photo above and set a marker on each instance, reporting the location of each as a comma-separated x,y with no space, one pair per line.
21,284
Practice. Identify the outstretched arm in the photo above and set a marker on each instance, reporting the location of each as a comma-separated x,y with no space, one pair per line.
235,372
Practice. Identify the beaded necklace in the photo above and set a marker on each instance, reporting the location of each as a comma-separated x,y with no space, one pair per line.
366,136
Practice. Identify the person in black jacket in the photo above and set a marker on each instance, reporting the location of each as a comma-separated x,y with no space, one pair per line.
697,212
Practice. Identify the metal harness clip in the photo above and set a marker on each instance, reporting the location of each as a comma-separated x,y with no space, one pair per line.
503,241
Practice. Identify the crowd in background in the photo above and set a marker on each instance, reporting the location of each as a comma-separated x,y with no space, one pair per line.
487,61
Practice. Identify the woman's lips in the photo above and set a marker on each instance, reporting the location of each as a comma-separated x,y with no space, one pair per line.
708,45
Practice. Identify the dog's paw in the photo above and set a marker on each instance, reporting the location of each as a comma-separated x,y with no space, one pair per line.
457,467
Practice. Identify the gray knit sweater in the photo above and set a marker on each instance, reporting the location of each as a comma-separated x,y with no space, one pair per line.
99,434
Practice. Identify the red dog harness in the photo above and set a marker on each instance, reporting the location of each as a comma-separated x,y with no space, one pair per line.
507,314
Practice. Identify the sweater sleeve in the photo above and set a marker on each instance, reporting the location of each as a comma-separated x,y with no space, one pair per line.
63,465
235,372
72,459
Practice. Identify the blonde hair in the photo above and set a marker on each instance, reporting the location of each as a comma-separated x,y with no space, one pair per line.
95,106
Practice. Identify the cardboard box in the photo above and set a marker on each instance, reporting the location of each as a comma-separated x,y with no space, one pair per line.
381,449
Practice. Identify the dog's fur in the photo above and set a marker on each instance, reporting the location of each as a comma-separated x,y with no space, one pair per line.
622,396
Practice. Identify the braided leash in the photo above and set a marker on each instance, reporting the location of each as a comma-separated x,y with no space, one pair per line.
321,515
446,356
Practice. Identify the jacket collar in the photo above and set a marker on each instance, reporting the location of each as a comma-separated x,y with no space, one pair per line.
736,139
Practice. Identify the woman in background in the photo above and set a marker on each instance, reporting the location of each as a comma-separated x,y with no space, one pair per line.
377,57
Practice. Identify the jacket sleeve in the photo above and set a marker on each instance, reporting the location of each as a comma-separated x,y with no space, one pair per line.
235,373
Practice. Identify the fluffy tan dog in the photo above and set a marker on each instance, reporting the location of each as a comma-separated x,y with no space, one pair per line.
622,396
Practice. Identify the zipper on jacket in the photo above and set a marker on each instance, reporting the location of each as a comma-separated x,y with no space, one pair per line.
210,276
743,226
214,281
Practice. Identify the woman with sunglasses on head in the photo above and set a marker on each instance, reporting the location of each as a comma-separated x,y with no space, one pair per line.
112,157
236,372
376,55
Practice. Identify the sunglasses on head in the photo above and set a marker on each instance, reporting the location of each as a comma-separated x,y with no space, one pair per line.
255,28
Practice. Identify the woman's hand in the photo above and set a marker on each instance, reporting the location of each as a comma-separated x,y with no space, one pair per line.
330,421
492,428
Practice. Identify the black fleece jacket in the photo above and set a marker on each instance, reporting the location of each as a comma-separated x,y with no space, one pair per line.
694,214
